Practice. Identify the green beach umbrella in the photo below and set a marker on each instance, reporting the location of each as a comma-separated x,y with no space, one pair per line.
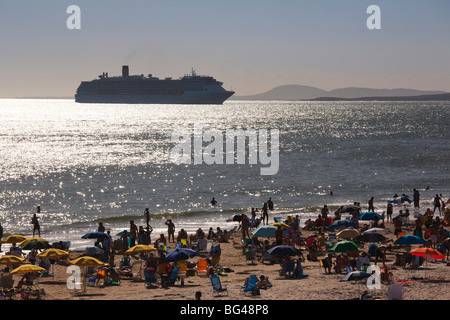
344,246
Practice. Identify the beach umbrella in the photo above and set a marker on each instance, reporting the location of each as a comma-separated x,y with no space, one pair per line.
96,235
140,248
10,259
86,261
280,224
409,239
347,234
180,254
371,237
344,246
427,253
28,240
39,244
26,268
377,230
349,208
355,275
237,217
368,216
14,238
339,223
283,251
265,232
53,253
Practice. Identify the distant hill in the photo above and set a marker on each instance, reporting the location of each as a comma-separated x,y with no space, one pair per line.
300,92
425,97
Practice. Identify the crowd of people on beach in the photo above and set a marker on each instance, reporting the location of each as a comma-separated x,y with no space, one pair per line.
430,225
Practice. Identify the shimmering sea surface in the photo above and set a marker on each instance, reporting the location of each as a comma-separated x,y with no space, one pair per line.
90,163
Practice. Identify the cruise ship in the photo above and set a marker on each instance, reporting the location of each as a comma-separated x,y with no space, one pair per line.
189,89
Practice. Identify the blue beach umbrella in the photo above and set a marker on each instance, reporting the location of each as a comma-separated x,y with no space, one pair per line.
369,216
338,223
180,254
410,239
96,235
265,232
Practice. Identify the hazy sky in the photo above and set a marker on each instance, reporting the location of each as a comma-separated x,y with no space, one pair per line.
250,45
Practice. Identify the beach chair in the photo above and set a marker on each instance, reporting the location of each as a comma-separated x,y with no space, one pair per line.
149,277
217,287
250,284
202,243
288,269
202,267
174,275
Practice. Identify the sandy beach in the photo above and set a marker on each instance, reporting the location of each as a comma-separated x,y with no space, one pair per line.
430,281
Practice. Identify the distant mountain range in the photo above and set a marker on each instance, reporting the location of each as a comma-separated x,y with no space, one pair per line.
299,92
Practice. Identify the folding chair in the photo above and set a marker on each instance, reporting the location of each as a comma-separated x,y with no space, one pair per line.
202,267
217,286
250,284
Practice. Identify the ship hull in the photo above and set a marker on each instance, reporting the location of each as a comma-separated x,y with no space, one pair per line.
185,98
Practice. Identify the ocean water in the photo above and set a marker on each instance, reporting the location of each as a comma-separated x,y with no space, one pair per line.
85,163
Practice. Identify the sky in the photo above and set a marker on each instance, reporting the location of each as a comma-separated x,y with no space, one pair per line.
250,45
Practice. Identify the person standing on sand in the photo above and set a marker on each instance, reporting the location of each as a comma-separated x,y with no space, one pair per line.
133,233
437,204
245,227
170,230
389,211
36,226
124,239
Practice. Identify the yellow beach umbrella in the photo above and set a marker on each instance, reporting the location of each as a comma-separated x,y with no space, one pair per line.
280,224
14,238
140,248
86,261
10,259
53,253
26,268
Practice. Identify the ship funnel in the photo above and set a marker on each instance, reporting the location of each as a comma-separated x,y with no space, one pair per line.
125,71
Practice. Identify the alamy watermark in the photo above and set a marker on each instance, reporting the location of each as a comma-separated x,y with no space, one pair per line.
232,146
